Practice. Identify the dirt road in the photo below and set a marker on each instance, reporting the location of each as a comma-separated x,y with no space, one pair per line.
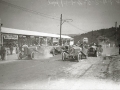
53,73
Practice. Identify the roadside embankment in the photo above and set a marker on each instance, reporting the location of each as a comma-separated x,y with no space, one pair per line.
114,69
109,68
112,61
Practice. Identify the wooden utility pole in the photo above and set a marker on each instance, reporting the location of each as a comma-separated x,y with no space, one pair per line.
92,36
0,32
60,27
104,36
115,33
61,22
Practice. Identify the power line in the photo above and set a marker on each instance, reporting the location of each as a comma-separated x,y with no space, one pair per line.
29,10
76,27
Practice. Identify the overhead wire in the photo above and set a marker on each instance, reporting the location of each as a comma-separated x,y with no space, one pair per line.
76,27
29,10
37,13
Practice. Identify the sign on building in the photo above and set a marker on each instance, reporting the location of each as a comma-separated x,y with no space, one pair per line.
10,36
85,40
55,40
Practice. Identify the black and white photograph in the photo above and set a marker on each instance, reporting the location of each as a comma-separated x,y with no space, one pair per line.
60,44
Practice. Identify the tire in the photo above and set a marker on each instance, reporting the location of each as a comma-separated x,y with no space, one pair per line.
53,52
78,57
63,56
86,56
19,56
32,55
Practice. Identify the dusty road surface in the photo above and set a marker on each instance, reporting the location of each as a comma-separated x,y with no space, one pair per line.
53,73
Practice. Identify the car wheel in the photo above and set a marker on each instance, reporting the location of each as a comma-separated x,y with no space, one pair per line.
78,57
32,55
20,56
53,52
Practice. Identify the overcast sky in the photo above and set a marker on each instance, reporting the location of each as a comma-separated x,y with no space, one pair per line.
87,15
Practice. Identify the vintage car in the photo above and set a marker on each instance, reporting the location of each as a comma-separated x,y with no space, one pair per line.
92,51
56,50
73,53
27,52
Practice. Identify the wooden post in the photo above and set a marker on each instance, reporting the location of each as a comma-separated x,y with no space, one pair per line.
60,28
2,39
51,41
0,32
116,33
39,41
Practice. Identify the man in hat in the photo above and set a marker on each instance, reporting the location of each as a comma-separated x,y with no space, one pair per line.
11,49
2,52
119,49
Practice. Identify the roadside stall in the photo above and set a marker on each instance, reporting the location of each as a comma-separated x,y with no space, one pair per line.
10,41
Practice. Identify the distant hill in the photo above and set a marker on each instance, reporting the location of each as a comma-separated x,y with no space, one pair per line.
92,36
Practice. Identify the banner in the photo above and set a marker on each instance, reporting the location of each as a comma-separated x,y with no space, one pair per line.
10,36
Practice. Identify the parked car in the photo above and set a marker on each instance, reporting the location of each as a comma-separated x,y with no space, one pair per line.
92,51
56,50
27,52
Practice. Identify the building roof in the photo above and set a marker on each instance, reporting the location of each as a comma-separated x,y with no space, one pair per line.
32,33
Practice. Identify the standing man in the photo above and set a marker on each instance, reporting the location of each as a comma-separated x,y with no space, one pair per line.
3,52
11,49
17,49
25,49
0,34
100,50
0,39
119,49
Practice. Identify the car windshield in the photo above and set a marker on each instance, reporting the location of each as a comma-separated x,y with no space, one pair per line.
91,49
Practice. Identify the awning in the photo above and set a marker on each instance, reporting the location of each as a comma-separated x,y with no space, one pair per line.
32,33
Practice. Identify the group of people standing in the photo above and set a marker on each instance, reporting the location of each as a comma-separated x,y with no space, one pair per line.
3,51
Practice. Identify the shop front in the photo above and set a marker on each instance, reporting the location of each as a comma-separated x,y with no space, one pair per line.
10,40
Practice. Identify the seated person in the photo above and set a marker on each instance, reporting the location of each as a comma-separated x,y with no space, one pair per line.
25,49
66,48
72,49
